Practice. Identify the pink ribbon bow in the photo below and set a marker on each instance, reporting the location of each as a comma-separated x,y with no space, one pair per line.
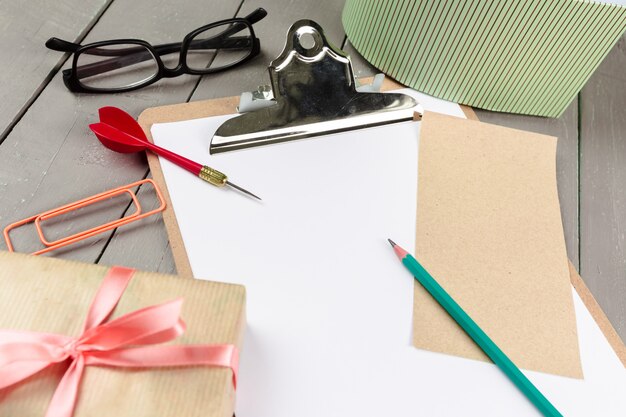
23,354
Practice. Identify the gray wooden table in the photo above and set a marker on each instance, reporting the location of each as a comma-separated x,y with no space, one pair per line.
49,157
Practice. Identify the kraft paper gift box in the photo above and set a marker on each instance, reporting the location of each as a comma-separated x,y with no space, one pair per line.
53,296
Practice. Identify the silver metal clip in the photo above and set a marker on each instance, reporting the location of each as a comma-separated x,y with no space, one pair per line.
315,93
264,97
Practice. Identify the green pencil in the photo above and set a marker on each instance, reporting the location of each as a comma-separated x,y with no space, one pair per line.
480,337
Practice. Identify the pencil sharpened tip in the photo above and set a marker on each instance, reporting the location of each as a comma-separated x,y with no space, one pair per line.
400,253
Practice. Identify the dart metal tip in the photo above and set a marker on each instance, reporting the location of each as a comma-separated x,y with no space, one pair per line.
243,190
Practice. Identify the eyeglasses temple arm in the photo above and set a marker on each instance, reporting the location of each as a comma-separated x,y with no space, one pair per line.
60,45
256,15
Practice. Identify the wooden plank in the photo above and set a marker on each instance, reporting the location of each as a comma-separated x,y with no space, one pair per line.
565,128
51,158
26,63
603,186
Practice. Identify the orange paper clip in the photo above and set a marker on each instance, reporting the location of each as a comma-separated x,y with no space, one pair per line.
138,214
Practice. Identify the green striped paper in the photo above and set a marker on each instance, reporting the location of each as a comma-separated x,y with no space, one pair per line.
519,56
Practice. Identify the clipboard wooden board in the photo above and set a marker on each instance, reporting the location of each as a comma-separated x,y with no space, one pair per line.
223,106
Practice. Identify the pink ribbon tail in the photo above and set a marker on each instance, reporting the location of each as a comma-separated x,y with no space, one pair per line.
64,399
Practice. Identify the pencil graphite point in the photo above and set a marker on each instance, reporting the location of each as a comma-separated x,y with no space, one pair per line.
400,253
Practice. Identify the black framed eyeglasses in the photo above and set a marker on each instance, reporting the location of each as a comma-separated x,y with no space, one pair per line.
128,64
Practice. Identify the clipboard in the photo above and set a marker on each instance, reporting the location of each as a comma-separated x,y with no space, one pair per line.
226,105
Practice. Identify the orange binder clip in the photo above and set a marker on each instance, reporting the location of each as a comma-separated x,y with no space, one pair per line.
38,219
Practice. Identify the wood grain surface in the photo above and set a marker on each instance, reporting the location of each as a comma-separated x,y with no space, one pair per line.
48,156
603,185
26,64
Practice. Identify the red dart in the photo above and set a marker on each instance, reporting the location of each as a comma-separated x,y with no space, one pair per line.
120,132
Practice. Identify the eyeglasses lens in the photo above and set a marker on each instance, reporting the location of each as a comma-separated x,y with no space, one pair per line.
116,66
219,47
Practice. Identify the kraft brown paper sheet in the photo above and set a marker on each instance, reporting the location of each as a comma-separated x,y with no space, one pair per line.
489,230
51,295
